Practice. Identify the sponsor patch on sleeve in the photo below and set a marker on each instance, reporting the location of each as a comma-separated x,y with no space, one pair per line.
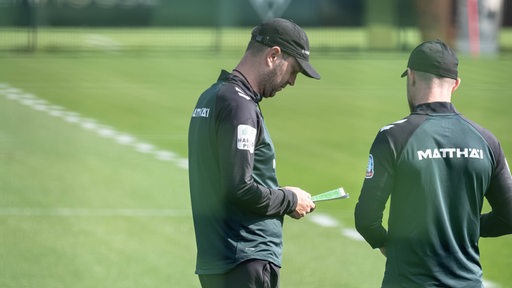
246,137
369,168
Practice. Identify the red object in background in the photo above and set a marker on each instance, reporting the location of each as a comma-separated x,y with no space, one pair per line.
473,27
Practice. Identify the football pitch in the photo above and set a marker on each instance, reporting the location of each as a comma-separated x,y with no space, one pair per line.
93,146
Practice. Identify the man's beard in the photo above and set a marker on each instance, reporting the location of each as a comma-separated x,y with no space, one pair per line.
269,82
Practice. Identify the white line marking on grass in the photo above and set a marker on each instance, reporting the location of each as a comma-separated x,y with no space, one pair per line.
125,139
328,221
489,284
102,130
323,220
72,118
100,41
352,234
144,148
107,132
166,155
83,212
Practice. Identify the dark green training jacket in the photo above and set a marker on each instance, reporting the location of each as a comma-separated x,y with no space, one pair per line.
437,166
237,205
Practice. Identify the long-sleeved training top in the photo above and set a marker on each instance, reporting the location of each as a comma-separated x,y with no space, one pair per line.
437,167
237,205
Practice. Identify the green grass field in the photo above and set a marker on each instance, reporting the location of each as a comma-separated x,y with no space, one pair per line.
83,209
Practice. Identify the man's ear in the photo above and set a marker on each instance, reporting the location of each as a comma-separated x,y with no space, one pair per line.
411,76
456,85
272,55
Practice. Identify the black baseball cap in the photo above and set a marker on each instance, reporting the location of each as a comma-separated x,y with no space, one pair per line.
290,38
434,57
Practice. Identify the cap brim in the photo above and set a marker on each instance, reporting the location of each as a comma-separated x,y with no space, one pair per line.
307,69
404,74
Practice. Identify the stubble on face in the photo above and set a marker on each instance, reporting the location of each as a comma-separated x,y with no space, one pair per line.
271,81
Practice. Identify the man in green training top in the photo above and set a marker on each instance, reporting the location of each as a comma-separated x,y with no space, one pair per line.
237,203
437,166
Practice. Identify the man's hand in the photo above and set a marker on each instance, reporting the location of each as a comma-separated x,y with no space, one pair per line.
304,203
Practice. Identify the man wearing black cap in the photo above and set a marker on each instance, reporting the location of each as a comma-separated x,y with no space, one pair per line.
237,204
437,166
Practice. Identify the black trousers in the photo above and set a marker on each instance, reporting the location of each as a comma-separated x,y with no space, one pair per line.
249,274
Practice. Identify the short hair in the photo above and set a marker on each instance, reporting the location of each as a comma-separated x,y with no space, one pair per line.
429,78
256,48
426,77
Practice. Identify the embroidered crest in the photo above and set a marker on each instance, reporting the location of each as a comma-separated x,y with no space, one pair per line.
369,168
